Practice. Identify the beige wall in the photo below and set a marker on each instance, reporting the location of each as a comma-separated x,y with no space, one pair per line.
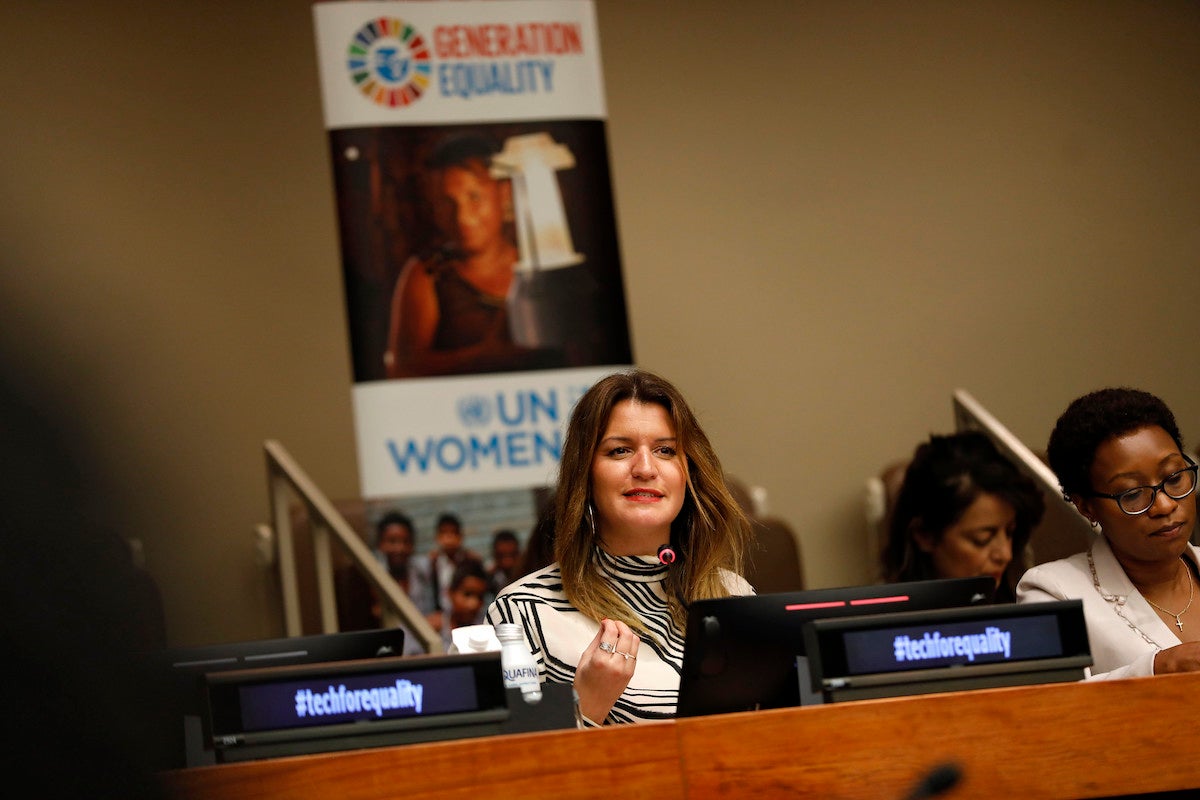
832,214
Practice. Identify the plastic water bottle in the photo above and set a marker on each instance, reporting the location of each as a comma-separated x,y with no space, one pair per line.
520,668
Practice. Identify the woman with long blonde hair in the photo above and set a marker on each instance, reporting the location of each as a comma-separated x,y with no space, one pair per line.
644,524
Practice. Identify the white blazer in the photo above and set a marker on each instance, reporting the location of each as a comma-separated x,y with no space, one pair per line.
1123,630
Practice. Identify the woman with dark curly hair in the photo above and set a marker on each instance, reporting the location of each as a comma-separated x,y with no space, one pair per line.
638,477
963,510
1120,459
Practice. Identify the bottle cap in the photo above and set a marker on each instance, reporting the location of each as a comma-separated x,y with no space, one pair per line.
508,631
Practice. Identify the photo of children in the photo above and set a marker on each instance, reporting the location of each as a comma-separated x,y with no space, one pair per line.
434,547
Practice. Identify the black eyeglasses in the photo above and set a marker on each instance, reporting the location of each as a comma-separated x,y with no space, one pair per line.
1138,500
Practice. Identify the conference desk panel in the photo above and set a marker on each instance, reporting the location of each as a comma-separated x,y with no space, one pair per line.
564,765
1057,741
1071,740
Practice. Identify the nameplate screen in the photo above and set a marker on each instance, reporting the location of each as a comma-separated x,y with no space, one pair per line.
947,649
942,645
378,694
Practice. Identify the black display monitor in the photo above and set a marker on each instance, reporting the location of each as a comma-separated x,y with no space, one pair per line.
947,649
281,711
173,680
271,712
748,653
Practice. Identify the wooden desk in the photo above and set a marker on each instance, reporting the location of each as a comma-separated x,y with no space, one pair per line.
1074,740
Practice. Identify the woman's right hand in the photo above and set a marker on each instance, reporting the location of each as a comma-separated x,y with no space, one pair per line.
1180,658
602,675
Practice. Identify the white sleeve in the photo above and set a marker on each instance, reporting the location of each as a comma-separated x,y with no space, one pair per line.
736,584
1141,667
1039,585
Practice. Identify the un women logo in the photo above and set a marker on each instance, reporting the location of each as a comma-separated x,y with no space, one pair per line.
474,410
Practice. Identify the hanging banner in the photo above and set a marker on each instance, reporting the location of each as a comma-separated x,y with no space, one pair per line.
482,272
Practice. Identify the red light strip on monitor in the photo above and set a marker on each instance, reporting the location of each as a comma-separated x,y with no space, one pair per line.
870,601
867,601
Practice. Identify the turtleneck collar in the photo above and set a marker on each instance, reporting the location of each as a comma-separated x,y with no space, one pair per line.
632,569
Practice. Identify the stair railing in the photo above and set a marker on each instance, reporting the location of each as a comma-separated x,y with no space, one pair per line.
285,481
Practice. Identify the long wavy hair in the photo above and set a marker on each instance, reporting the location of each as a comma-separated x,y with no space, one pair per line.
711,532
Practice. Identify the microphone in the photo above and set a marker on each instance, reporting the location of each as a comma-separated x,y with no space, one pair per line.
941,778
666,554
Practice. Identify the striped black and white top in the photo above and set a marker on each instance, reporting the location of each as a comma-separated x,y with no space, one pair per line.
558,634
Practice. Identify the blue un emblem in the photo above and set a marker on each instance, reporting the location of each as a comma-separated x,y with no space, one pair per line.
390,64
474,410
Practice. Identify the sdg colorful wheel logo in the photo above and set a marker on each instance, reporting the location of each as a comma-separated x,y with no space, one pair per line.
389,62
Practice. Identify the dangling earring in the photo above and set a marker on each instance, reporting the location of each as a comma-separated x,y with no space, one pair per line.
591,517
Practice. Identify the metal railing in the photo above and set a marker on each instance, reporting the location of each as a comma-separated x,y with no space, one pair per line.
285,481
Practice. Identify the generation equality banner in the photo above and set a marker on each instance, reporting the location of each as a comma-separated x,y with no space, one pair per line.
479,245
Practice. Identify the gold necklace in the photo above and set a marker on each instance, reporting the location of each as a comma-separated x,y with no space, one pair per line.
1191,592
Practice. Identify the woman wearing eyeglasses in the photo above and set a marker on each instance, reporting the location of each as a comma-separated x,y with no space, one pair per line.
1119,457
